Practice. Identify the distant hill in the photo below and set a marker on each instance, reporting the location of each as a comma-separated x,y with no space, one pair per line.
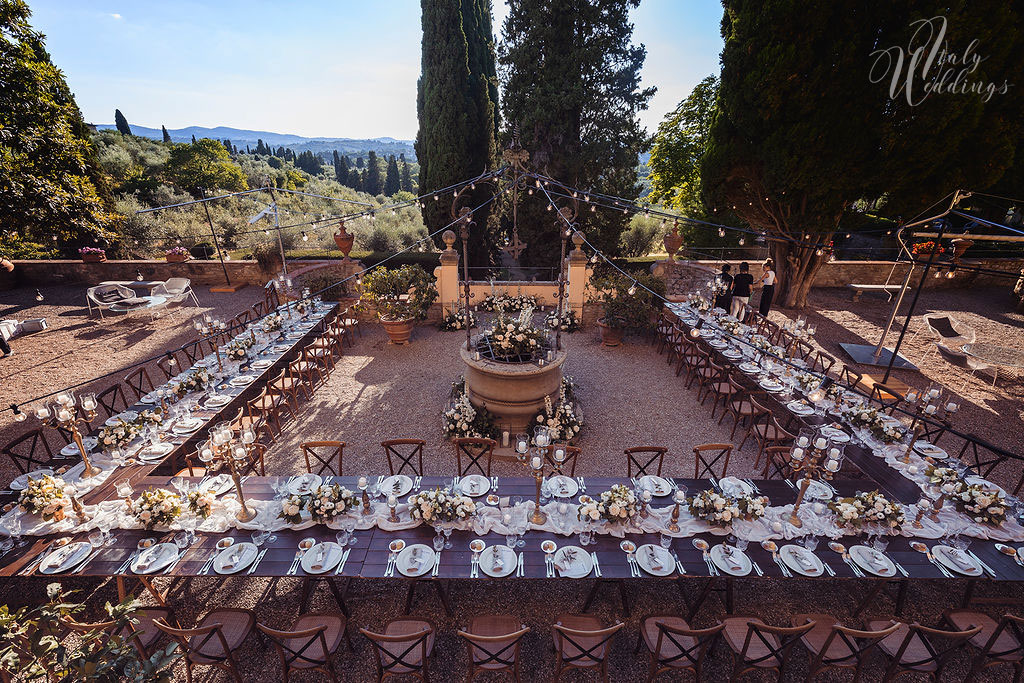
297,143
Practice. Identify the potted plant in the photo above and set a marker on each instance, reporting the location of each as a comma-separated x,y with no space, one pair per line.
627,302
177,255
926,248
401,296
92,254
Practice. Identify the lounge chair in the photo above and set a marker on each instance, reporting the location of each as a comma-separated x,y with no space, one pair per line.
105,296
177,290
949,333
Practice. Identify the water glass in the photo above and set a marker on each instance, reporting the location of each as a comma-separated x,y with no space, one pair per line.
124,489
810,542
665,540
96,539
447,529
439,541
181,540
342,538
179,484
260,536
880,543
349,525
586,536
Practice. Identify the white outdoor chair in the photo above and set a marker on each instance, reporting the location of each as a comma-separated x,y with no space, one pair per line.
947,330
105,296
177,290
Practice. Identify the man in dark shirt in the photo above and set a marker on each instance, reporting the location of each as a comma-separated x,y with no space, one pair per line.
723,288
741,290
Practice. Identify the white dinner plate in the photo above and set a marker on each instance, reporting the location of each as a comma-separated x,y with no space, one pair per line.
978,481
816,490
154,558
72,448
304,484
322,558
717,343
930,450
149,399
731,486
957,560
576,562
873,561
662,564
218,484
20,482
388,486
187,426
242,381
562,486
770,385
732,355
64,558
740,565
217,401
750,368
127,416
415,560
262,364
807,565
509,560
156,451
235,558
834,435
658,486
474,485
798,408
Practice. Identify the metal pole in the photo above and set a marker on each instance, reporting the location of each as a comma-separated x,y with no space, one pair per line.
216,245
464,234
895,309
561,287
277,226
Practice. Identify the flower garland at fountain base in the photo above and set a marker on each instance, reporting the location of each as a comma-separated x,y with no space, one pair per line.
564,420
464,420
455,319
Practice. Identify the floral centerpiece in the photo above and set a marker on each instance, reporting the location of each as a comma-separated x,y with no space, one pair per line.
291,509
946,479
464,420
698,303
455,319
301,306
616,505
983,505
733,327
327,502
440,505
720,510
149,416
155,507
564,420
272,323
197,379
237,351
887,431
177,254
117,436
512,339
760,343
567,322
863,416
508,302
200,503
807,382
46,496
867,508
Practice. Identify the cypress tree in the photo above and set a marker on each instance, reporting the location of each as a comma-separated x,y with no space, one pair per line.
122,123
193,139
167,136
456,138
227,144
406,180
392,182
359,162
372,183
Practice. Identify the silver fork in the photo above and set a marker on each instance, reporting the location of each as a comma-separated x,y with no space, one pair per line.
632,565
494,484
416,484
295,562
389,569
437,563
583,485
256,562
757,568
473,562
597,565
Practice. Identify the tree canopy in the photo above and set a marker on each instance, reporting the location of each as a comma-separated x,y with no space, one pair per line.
204,164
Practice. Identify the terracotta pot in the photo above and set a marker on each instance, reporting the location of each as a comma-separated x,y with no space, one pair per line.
94,258
344,239
960,245
7,265
673,241
398,331
176,258
610,336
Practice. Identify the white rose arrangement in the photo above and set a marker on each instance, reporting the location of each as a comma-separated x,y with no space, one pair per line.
197,379
698,303
237,351
117,435
616,505
567,322
946,479
327,502
440,505
200,503
807,382
564,420
46,496
733,327
272,323
511,339
291,509
149,417
508,302
455,319
720,510
464,420
155,507
867,508
983,505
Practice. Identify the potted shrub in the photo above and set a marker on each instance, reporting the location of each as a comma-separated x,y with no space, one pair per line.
92,254
627,304
401,296
177,255
926,248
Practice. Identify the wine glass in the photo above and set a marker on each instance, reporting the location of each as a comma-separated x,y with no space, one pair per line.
104,524
179,484
349,525
260,536
12,523
342,537
447,528
181,539
665,541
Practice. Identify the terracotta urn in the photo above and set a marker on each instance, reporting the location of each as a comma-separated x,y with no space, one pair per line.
94,258
673,241
343,239
398,331
960,245
177,258
610,336
6,265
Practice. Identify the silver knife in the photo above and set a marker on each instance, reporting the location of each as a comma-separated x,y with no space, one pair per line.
679,564
520,571
174,564
344,559
206,565
295,562
256,562
902,570
597,565
437,564
984,566
127,563
88,558
416,484
757,568
31,566
389,567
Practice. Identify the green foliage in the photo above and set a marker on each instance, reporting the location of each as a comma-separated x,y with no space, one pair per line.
49,181
678,147
400,293
12,246
641,237
372,183
571,82
204,164
31,650
121,123
392,181
628,301
456,108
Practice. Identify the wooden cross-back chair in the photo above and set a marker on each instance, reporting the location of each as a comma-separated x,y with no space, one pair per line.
777,463
321,456
984,460
404,649
168,365
271,300
474,451
213,641
643,458
407,453
193,352
582,642
766,430
885,396
758,646
139,382
493,642
259,309
820,362
834,646
804,351
310,644
112,401
849,377
30,451
674,646
913,648
142,634
997,643
568,466
706,457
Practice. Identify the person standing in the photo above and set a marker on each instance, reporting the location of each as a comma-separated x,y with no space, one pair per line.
741,285
5,348
723,288
767,283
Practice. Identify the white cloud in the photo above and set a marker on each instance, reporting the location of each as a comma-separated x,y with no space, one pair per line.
115,16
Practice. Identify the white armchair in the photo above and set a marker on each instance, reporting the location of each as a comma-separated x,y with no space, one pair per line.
177,290
102,297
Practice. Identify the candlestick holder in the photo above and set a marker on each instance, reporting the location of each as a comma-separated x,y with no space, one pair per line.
817,458
225,449
366,497
393,504
67,416
674,524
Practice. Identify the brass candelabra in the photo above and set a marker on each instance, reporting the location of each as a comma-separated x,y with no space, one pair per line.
534,460
66,415
817,458
227,449
927,405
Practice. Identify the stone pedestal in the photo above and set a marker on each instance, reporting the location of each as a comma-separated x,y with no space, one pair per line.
514,392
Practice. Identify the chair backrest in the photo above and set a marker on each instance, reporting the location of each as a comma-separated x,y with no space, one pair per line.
105,295
492,652
773,642
643,458
296,648
777,463
584,649
759,411
1007,623
29,451
849,376
167,367
821,362
886,396
321,456
112,401
682,647
195,640
474,451
568,465
244,317
934,654
944,326
270,298
139,382
407,452
193,352
177,285
392,651
260,309
707,457
858,645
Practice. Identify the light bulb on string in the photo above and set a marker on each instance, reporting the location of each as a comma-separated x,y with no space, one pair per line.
847,235
435,197
721,232
19,416
530,191
305,237
549,207
742,241
267,233
818,252
39,295
632,290
138,276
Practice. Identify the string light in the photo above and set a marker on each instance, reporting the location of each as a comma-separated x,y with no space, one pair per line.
593,209
742,241
18,415
721,232
171,361
39,295
138,276
632,290
817,252
305,237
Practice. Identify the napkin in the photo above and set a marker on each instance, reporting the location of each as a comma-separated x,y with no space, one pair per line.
563,565
60,557
474,486
498,563
960,559
233,559
150,557
304,482
563,485
321,556
802,560
415,561
729,560
876,560
656,564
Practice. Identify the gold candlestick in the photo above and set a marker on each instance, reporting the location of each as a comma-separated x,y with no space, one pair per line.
816,461
366,501
538,517
674,525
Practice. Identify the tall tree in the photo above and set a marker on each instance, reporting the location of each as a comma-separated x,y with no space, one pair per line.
456,111
678,148
802,131
50,182
571,83
167,136
406,179
121,123
392,181
204,164
372,182
359,162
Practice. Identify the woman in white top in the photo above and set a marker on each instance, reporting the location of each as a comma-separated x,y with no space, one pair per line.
767,283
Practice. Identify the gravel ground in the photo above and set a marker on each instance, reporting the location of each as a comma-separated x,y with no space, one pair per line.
629,397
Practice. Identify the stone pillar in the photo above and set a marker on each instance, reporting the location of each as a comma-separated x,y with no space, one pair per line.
447,273
578,276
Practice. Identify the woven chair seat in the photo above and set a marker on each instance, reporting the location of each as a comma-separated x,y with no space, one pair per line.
582,622
814,640
235,625
1006,642
406,627
333,634
735,635
669,649
916,650
770,431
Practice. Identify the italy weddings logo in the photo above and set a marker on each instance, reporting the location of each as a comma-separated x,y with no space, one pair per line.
929,65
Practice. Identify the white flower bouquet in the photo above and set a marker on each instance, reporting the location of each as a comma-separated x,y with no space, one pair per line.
567,322
200,503
117,435
508,302
807,382
565,420
440,505
616,505
514,338
149,417
46,496
867,508
155,507
455,319
291,509
237,351
197,379
887,432
946,479
698,303
720,510
733,327
983,505
464,420
327,502
272,323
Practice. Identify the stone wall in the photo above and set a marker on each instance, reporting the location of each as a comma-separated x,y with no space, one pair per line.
75,272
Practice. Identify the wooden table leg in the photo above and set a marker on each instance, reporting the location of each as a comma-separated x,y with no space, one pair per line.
339,596
869,598
442,592
901,595
148,584
705,591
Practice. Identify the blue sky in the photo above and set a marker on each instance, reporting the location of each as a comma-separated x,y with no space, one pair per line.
328,68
